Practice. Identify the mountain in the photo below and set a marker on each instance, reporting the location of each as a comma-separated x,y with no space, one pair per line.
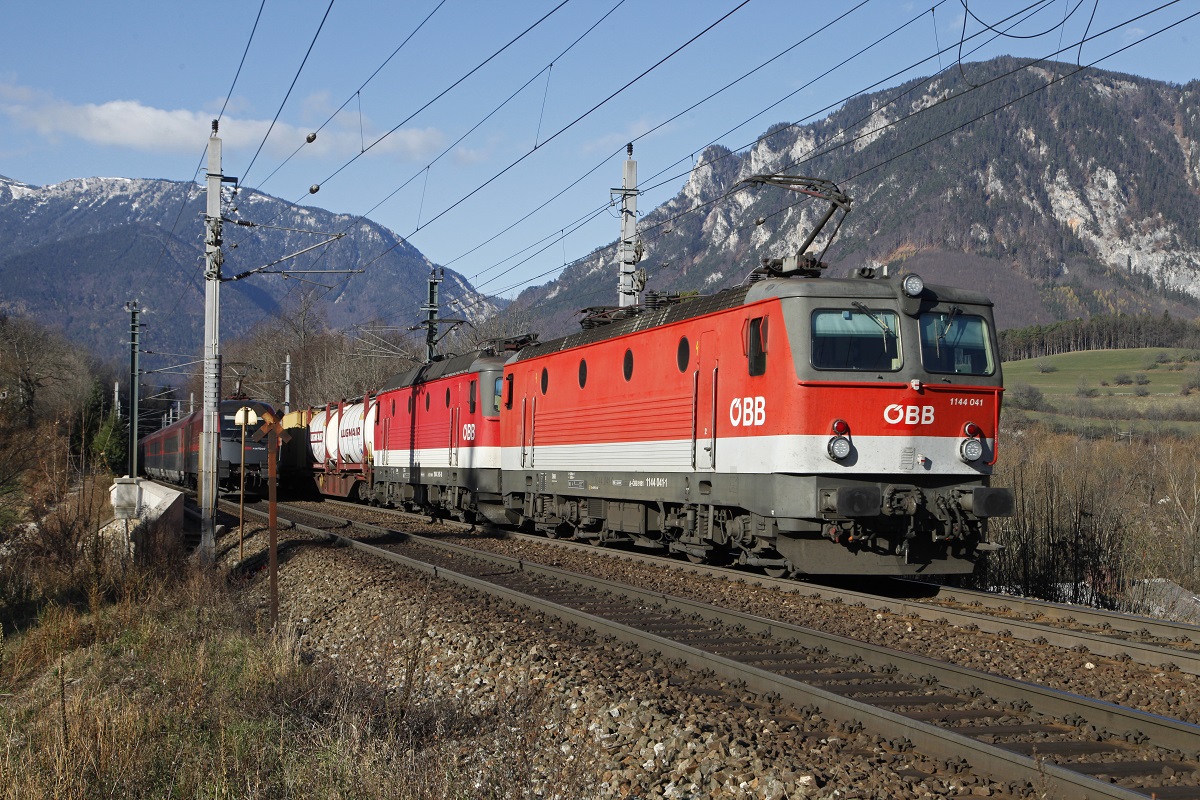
74,253
1077,199
1059,198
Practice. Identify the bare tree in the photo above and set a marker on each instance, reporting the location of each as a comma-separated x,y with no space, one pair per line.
32,360
511,321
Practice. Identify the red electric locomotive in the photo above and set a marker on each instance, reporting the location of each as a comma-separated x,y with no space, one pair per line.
429,440
797,423
436,436
804,425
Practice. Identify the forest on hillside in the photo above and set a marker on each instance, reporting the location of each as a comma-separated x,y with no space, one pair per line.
1108,332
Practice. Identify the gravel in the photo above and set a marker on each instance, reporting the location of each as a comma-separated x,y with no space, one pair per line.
527,702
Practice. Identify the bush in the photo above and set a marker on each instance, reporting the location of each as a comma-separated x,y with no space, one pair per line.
1025,397
1141,391
1087,391
1045,367
1140,379
1123,380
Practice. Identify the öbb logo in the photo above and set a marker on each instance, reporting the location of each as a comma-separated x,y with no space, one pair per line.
896,414
748,411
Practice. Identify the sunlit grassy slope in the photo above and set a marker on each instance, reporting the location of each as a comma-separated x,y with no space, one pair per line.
1115,391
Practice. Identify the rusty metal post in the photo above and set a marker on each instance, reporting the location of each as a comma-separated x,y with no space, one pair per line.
274,433
272,449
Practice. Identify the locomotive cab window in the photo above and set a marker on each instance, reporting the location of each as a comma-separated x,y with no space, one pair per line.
491,404
754,345
471,396
860,339
956,343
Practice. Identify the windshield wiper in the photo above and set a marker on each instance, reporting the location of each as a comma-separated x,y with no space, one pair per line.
874,317
954,312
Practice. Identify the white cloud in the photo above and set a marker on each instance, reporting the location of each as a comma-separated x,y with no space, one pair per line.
133,125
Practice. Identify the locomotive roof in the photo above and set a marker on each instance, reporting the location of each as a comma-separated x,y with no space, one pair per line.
689,308
453,365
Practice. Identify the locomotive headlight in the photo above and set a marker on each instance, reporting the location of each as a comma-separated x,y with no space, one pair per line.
913,285
838,448
970,450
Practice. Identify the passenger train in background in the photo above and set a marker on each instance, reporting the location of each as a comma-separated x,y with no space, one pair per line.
173,453
797,423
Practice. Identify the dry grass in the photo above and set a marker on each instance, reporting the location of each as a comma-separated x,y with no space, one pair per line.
175,692
152,678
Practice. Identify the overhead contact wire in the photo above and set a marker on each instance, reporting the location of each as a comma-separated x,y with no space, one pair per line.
568,126
357,93
307,53
477,125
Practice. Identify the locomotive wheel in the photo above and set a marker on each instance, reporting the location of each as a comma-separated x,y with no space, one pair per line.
775,572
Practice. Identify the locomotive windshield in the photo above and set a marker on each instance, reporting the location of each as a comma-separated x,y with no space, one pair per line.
858,338
953,342
229,411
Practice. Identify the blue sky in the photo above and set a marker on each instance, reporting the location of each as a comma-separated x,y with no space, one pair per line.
129,89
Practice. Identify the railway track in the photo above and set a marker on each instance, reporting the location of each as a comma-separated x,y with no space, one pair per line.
1181,636
1142,640
1020,733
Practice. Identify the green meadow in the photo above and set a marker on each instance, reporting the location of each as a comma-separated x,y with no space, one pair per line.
1108,392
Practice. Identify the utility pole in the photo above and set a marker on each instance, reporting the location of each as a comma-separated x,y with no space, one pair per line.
627,255
117,398
131,459
431,313
287,383
209,442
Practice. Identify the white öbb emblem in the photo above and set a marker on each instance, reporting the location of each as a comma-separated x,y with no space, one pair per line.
469,432
909,415
748,411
